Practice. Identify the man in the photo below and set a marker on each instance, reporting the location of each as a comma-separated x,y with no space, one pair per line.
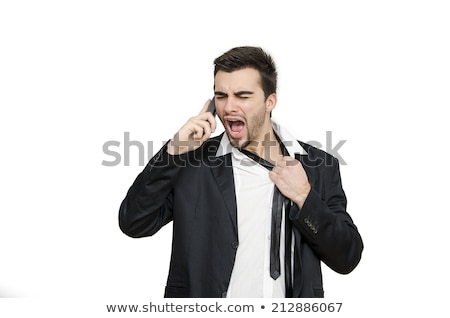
254,211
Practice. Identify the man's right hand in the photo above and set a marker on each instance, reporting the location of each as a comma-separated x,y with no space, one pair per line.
194,133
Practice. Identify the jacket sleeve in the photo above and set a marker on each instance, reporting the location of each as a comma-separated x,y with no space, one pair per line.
148,204
324,222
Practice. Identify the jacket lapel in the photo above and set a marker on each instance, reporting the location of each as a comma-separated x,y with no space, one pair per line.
222,170
308,163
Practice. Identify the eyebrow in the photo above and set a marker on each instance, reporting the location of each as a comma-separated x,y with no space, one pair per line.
239,93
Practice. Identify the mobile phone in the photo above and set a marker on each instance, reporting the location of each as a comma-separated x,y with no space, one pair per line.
212,107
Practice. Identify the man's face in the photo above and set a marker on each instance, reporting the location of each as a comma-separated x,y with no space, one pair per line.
242,107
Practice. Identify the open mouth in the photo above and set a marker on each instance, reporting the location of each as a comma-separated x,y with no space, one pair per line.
235,127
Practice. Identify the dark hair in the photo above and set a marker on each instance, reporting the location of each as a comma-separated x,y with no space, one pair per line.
249,56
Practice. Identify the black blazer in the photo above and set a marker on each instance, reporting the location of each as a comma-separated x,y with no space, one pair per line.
196,191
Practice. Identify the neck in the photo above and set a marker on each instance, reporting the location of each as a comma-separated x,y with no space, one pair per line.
267,147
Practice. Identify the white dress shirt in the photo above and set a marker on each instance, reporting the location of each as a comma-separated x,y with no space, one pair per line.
254,195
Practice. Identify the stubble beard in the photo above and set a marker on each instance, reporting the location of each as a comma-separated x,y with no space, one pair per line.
253,126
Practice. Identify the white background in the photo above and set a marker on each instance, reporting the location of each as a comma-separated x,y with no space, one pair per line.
76,74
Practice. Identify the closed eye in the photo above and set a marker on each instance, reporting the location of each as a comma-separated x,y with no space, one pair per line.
244,94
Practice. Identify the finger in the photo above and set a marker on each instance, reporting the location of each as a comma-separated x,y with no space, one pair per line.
274,176
276,170
212,121
209,117
289,161
203,130
206,128
281,162
196,130
205,107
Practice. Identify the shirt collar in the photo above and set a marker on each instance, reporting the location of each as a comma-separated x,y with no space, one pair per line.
289,141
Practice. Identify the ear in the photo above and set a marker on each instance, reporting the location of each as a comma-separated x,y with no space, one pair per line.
271,102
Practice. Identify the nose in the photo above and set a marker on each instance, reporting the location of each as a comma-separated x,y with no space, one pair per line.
230,105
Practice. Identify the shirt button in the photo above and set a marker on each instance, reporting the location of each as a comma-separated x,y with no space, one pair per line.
235,245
